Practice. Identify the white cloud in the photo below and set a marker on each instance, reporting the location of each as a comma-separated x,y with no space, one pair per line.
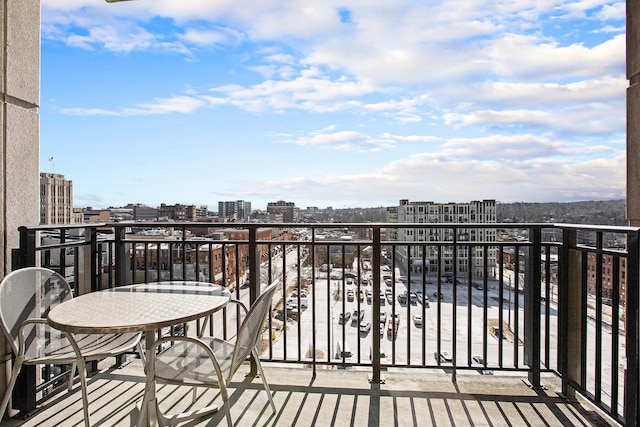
527,58
584,119
210,37
513,147
441,180
616,10
176,104
547,95
348,140
310,90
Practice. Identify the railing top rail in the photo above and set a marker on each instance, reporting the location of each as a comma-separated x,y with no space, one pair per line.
53,227
610,228
199,224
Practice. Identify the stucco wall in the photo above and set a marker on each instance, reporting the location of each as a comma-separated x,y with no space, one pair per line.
19,128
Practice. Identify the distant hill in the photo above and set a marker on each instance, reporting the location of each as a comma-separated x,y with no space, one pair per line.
609,212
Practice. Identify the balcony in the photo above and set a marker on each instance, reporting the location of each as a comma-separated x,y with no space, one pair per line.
532,310
336,397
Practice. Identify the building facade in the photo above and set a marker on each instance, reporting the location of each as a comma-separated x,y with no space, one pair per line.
177,212
142,212
56,199
470,260
287,210
232,210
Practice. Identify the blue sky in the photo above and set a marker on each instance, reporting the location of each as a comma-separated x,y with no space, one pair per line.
337,103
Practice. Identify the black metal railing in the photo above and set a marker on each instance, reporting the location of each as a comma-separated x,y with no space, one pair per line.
486,297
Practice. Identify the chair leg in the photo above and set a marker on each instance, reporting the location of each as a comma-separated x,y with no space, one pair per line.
264,379
82,373
72,374
141,353
225,400
7,394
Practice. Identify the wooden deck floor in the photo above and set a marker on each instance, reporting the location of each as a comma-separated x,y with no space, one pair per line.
335,397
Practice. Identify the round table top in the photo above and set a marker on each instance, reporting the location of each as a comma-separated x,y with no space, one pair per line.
140,307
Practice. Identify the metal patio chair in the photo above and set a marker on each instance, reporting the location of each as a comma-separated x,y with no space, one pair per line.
207,362
26,297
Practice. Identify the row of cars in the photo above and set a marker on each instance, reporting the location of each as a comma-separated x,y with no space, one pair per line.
357,318
296,302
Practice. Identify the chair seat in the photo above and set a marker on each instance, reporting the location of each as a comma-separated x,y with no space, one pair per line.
58,350
187,363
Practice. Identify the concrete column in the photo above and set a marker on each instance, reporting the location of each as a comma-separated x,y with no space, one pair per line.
633,113
19,130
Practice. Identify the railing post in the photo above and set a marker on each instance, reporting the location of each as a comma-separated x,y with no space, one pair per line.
27,251
121,255
254,277
85,279
532,294
632,319
569,314
376,378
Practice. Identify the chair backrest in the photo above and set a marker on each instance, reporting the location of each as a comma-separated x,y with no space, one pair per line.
250,330
29,293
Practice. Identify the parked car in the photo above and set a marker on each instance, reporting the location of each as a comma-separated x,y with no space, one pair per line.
478,360
344,317
354,317
303,293
343,352
293,300
422,299
391,329
357,316
444,357
365,327
350,295
417,319
383,317
383,354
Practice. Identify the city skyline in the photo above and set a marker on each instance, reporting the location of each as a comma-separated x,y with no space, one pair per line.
334,104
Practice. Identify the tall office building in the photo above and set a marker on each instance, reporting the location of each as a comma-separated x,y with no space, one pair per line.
56,199
469,259
281,208
237,209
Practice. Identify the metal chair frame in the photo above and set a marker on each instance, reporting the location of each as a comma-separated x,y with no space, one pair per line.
26,296
214,362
